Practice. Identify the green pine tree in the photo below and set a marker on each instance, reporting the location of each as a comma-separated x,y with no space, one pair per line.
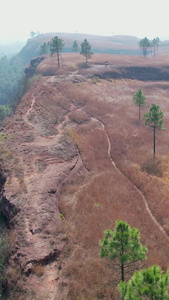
145,44
56,46
75,46
150,283
138,99
86,49
123,247
155,44
44,48
155,119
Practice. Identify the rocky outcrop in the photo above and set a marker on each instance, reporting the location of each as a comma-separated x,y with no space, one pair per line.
8,209
30,69
38,169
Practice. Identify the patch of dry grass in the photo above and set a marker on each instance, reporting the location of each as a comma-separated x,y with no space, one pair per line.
79,117
38,269
152,167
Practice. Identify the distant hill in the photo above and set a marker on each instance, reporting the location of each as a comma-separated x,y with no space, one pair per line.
117,44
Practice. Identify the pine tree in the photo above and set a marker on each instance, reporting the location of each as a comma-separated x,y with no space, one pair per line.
155,119
150,283
75,46
155,43
56,46
86,49
123,247
44,48
145,44
138,99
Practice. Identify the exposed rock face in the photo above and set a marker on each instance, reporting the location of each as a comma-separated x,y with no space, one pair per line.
42,158
8,209
31,68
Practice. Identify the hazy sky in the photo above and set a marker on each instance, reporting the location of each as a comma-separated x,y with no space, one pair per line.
109,17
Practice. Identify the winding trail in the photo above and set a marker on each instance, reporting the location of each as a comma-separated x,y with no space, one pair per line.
41,182
135,187
118,170
32,104
54,140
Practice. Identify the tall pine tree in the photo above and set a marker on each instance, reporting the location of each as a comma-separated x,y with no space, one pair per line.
56,46
150,283
86,49
155,119
138,99
123,247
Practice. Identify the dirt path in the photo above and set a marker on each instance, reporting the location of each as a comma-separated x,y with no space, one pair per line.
135,187
32,104
28,112
118,170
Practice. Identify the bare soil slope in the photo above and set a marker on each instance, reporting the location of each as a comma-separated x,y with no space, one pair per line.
73,155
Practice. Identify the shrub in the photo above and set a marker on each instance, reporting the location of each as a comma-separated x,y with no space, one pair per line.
4,111
95,79
152,168
38,269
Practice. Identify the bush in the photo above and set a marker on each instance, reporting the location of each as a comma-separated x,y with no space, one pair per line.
152,168
95,79
4,111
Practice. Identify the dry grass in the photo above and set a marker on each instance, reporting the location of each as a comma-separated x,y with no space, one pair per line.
79,117
38,269
68,63
110,102
153,167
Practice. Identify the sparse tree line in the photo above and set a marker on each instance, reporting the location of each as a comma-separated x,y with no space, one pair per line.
56,45
154,117
11,70
123,248
12,81
152,45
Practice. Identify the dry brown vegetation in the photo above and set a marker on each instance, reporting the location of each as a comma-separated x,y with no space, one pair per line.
116,150
107,195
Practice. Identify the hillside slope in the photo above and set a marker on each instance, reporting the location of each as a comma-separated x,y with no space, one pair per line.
72,155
